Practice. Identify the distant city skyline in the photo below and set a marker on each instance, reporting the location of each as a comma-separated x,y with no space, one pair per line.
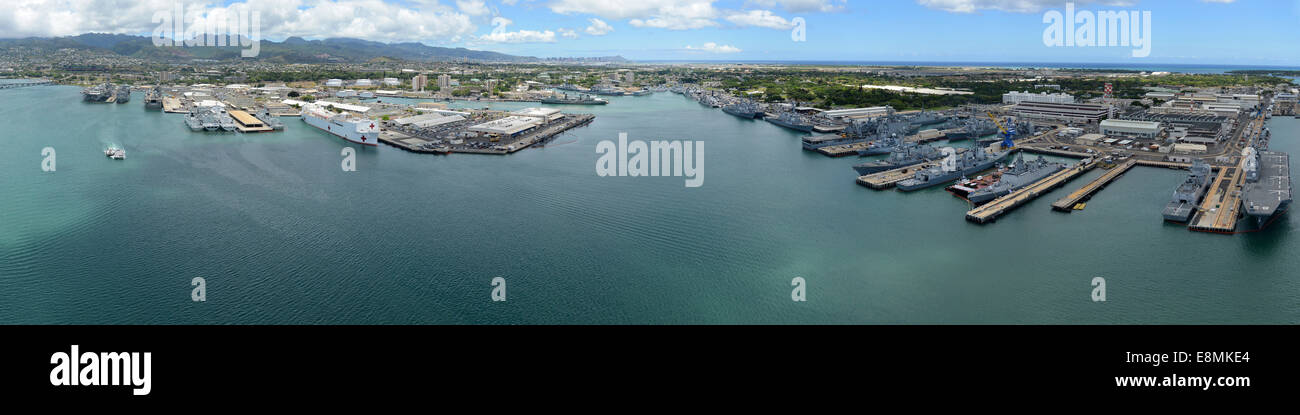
1191,32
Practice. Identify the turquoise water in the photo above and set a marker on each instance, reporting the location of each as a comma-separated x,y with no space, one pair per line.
283,235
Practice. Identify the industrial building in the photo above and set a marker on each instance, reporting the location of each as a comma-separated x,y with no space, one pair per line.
1053,112
1018,97
860,112
1128,128
1189,126
511,126
544,115
428,120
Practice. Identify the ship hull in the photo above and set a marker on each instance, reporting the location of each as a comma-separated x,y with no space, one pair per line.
872,168
799,127
366,139
913,185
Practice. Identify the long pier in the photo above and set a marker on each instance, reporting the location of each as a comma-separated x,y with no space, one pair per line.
1222,206
25,84
1000,206
887,179
1067,203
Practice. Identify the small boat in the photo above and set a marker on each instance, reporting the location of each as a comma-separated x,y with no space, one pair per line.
115,153
1080,206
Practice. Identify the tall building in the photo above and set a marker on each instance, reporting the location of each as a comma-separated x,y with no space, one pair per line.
419,82
444,81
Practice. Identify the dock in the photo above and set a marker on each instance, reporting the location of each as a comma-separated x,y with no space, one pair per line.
1000,206
173,105
1222,206
887,179
844,150
409,143
1067,203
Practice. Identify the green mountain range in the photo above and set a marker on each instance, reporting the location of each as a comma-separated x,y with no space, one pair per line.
291,50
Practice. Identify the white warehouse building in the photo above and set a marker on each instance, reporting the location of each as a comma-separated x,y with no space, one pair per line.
1014,97
1126,128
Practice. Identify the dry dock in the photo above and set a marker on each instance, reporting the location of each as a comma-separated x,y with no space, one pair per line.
1222,206
1067,203
991,211
887,179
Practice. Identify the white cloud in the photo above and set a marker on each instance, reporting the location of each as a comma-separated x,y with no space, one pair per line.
501,35
1016,6
802,6
664,14
598,27
760,18
473,7
567,33
711,47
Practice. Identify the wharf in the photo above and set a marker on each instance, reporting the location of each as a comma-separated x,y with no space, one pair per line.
1000,206
1222,206
844,150
173,105
887,179
420,145
1067,203
409,143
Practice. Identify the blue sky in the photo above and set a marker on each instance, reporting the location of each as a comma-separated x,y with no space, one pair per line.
1254,32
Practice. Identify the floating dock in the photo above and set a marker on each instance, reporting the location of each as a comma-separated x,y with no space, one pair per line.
887,179
1067,203
1222,206
1000,206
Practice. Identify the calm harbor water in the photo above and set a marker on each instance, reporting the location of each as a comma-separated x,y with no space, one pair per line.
283,235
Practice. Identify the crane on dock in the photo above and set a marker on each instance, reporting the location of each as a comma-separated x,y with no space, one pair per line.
1007,142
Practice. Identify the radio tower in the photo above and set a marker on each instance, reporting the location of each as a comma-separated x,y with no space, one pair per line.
1110,103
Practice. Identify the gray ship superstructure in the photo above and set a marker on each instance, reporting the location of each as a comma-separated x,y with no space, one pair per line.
889,134
153,99
269,119
1188,195
793,120
953,166
973,129
580,99
744,109
1019,175
1267,192
904,155
122,95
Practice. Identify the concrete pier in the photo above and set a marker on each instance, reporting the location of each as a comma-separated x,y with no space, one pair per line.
1000,206
1067,203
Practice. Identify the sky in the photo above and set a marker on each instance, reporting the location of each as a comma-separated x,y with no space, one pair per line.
1248,32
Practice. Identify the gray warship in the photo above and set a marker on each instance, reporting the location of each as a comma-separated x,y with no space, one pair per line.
953,167
793,120
581,99
1016,177
904,155
1188,195
122,95
744,109
98,93
1267,192
153,100
271,120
